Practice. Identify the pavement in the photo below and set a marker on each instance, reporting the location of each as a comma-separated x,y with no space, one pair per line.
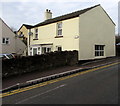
98,86
10,81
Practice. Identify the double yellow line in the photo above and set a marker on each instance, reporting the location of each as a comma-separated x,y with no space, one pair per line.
52,81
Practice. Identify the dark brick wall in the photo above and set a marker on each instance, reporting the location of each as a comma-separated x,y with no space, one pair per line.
38,63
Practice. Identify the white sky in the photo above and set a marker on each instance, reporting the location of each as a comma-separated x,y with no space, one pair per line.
18,12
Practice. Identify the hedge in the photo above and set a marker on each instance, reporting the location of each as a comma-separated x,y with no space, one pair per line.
38,62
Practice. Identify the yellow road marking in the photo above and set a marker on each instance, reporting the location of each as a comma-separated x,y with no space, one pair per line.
52,81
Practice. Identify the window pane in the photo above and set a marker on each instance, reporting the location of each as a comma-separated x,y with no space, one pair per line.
36,30
36,35
48,49
59,48
7,42
102,53
102,47
96,47
7,38
21,33
96,53
3,40
44,49
60,32
59,25
38,48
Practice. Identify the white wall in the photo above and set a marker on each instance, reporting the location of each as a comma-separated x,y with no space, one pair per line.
6,32
96,28
15,46
47,34
19,46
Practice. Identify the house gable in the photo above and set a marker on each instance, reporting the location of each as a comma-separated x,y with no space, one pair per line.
108,16
96,28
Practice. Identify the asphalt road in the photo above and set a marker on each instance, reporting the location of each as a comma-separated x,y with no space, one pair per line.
97,87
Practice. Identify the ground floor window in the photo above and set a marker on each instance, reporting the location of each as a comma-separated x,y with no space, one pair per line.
59,48
37,50
46,50
99,50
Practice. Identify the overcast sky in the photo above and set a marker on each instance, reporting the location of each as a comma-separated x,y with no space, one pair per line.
18,12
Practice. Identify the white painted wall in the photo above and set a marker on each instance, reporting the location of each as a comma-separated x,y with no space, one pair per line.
47,34
96,28
15,46
6,32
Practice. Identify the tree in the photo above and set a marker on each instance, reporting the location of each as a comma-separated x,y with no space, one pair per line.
117,39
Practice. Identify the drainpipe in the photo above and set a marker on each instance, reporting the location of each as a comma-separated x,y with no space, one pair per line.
29,34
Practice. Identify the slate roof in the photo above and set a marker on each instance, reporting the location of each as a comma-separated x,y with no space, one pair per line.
28,26
64,17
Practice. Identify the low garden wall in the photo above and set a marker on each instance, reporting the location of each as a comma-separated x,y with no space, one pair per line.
38,63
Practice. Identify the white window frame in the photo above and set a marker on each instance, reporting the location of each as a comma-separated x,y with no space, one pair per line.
100,51
47,47
38,50
58,47
36,33
30,51
7,39
59,28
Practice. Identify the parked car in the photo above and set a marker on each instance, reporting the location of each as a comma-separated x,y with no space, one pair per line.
6,56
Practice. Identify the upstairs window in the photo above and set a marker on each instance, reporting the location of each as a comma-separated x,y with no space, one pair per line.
99,50
5,40
36,33
59,29
21,35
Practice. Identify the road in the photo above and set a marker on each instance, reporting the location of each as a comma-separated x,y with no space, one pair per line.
94,87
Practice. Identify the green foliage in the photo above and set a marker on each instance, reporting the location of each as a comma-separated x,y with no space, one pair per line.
38,62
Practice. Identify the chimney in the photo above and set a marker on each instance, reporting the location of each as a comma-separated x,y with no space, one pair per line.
48,14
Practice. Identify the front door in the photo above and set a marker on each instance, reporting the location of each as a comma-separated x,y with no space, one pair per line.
34,51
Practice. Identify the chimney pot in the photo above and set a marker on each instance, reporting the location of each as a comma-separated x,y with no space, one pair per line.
46,10
48,14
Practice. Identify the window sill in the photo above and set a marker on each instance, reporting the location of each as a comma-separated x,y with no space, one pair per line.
97,57
35,39
59,36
